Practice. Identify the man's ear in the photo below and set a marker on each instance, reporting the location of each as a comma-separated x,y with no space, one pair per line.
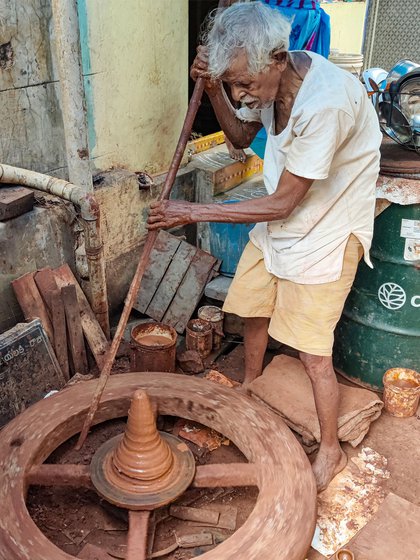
280,58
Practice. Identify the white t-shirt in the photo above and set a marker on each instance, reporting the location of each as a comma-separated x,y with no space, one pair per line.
333,137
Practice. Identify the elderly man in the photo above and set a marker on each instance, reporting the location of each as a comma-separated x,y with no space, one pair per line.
320,169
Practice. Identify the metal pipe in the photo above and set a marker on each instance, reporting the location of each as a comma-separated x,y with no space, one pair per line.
90,213
73,105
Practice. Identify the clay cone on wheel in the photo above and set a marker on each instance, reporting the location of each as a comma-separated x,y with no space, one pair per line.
142,452
142,469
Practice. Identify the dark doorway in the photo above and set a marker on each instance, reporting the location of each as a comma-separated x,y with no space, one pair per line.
205,122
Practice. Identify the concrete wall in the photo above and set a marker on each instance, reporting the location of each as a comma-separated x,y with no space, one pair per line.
135,65
38,239
31,133
135,60
347,23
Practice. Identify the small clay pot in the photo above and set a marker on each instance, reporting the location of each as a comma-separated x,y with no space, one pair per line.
344,554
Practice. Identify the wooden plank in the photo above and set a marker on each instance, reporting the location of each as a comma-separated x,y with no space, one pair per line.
30,301
15,201
394,532
74,329
190,290
205,143
170,282
195,514
60,333
236,173
95,337
93,552
160,258
46,284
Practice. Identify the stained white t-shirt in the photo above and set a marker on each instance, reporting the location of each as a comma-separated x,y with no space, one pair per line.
333,137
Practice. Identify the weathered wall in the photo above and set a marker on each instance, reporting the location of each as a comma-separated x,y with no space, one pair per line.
347,23
38,239
135,65
135,57
31,133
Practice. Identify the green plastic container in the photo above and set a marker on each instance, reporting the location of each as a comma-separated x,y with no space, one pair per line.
380,325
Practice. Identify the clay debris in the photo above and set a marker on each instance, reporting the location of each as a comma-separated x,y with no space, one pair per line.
350,501
200,435
221,379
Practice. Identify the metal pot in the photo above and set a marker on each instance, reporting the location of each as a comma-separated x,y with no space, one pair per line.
400,69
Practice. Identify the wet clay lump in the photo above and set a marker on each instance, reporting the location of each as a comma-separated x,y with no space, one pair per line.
153,340
404,383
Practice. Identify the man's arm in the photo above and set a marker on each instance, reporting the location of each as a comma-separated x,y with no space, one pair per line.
240,133
278,206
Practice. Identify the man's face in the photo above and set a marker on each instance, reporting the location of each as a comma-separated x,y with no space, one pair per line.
256,91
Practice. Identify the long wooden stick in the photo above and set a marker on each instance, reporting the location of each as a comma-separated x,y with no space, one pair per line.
144,259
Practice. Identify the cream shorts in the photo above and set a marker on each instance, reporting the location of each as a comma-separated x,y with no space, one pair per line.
302,316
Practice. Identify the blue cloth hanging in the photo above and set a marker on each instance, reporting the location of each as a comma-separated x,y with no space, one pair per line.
311,31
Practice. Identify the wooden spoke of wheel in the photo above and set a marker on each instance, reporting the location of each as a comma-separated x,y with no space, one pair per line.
78,476
137,535
207,476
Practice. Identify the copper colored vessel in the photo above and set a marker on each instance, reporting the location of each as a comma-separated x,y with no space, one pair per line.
199,337
153,347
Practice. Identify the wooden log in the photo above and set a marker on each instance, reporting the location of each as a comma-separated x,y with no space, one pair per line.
95,336
46,284
60,332
74,329
230,474
31,302
49,474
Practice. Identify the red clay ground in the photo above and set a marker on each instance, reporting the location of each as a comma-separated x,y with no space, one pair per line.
73,518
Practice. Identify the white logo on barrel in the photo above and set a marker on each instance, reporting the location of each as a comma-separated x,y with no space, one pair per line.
391,295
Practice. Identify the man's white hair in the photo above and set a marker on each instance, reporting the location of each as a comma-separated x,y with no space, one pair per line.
253,27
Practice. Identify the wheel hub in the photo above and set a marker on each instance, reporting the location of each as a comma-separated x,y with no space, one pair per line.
143,469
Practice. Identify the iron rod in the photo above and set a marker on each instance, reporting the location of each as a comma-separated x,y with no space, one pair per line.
143,262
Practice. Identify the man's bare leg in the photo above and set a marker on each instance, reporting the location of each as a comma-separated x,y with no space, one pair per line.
255,342
331,459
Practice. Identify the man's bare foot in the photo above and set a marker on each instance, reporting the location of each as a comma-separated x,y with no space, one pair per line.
235,153
328,463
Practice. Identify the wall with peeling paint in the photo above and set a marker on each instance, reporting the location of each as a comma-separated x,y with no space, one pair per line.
347,23
38,239
135,64
31,133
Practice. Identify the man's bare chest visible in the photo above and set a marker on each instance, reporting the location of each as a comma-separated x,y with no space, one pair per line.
282,112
